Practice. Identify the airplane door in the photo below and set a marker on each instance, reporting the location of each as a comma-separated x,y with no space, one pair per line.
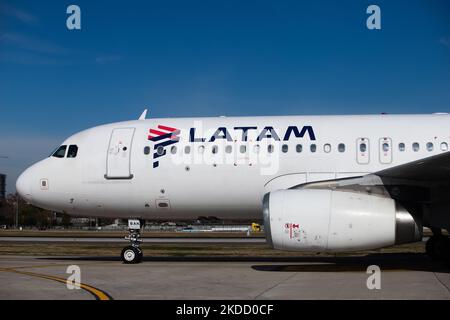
385,150
362,151
119,154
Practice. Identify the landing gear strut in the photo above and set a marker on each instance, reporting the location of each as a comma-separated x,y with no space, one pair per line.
438,247
133,253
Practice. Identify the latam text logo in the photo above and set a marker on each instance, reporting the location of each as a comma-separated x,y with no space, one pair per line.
243,145
265,133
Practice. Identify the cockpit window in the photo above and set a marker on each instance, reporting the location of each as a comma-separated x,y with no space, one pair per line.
60,152
72,153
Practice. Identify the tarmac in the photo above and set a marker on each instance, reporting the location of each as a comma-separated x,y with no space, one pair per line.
121,240
403,276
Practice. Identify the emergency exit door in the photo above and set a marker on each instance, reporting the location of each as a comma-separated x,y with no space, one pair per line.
119,154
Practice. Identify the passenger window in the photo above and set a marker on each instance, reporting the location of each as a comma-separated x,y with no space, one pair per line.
173,150
363,150
313,148
284,148
401,146
444,146
228,149
385,147
430,146
214,149
160,150
298,148
61,152
415,146
341,147
327,148
242,149
187,149
73,150
147,150
201,149
270,148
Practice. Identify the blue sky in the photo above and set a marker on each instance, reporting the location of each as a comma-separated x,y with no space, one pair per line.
208,58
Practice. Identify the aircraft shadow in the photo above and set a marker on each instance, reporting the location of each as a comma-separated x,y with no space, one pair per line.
386,261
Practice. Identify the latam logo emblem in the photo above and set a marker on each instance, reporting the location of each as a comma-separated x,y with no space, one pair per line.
163,136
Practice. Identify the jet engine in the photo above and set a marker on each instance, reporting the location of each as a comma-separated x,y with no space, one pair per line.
330,220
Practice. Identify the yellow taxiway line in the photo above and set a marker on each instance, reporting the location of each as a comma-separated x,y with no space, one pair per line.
97,293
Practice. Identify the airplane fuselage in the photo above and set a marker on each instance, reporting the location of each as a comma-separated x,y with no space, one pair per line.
220,166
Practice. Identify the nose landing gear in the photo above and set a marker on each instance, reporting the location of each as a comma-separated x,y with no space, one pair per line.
133,253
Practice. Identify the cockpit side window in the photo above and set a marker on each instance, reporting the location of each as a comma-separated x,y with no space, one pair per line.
73,150
60,152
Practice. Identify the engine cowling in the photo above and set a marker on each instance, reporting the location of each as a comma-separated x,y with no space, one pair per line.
329,220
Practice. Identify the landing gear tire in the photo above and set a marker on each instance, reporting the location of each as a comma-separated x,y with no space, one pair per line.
438,248
131,255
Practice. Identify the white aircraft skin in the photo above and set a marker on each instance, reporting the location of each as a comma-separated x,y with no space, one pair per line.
235,189
321,183
78,185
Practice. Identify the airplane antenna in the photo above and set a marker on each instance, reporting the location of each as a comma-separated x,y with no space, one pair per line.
143,115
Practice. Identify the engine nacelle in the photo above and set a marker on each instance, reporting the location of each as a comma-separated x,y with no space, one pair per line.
327,220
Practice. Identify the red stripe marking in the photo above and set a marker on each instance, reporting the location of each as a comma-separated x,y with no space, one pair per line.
166,128
159,133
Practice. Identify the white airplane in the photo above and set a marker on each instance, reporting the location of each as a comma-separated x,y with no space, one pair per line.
321,183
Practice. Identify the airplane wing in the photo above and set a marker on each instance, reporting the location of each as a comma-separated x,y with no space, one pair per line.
435,169
423,181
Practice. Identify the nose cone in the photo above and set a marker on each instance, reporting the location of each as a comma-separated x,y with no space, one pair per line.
23,185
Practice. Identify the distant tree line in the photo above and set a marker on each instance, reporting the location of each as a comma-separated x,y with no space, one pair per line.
29,215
